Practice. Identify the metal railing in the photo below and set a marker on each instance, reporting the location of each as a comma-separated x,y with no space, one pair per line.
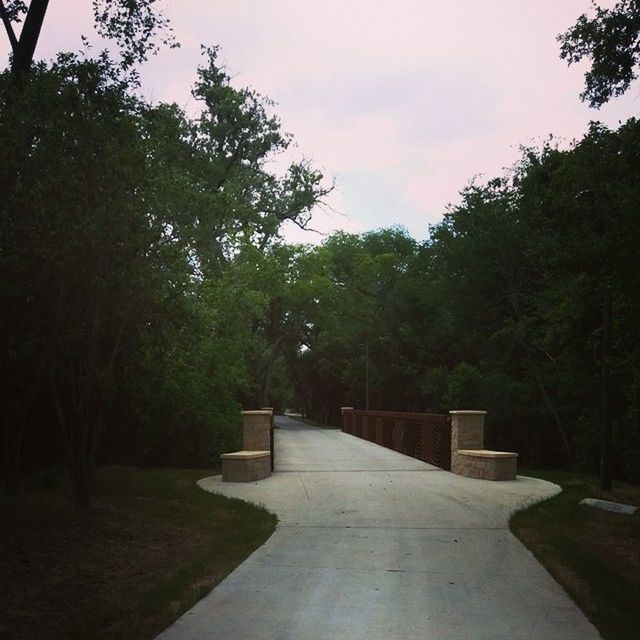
425,436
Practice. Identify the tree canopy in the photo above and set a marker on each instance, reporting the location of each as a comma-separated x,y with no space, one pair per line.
147,293
501,308
610,40
124,225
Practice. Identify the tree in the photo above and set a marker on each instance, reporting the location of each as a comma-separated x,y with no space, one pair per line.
125,229
75,243
611,41
523,301
235,139
344,295
583,200
480,306
133,24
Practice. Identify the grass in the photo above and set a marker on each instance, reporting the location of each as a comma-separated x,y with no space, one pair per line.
593,554
150,547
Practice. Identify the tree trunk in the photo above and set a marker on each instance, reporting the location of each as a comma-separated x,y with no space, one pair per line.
79,436
17,403
9,473
26,46
81,475
266,373
606,467
547,400
10,462
556,418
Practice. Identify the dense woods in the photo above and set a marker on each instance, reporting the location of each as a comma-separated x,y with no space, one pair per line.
127,317
146,293
504,307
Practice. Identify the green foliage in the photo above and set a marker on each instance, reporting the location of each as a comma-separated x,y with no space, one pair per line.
15,9
135,25
610,40
500,309
146,295
74,234
464,386
142,246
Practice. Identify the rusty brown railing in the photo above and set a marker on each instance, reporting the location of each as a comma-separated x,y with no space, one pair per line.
425,436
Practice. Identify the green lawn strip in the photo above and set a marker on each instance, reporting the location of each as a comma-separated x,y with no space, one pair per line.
150,547
593,554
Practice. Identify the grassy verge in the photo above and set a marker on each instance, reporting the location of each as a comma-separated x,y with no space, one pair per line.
150,547
593,554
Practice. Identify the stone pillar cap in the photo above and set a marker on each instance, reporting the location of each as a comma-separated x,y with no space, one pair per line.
468,413
259,412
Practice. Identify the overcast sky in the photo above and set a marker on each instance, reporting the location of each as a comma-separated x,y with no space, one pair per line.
402,101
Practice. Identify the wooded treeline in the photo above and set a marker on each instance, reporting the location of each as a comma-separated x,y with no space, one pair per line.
504,308
146,294
121,220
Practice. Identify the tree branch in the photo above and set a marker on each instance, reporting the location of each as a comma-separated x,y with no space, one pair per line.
7,25
26,46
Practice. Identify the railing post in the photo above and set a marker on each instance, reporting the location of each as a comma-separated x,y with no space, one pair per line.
378,430
346,418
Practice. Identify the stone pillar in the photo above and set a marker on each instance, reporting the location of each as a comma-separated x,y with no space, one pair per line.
467,429
256,430
343,411
271,411
467,432
272,443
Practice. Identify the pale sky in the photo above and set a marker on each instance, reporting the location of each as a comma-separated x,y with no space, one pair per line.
402,101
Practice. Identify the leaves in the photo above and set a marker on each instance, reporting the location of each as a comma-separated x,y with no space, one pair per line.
135,25
131,237
611,41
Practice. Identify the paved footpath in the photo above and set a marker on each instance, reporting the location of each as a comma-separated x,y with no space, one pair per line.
373,545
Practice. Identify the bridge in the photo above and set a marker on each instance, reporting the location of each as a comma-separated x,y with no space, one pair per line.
373,544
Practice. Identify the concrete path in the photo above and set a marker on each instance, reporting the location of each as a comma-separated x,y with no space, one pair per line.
373,545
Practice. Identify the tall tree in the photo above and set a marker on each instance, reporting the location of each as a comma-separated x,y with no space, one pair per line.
73,246
236,139
124,226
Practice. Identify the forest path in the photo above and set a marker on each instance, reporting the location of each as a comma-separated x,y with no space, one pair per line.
374,545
